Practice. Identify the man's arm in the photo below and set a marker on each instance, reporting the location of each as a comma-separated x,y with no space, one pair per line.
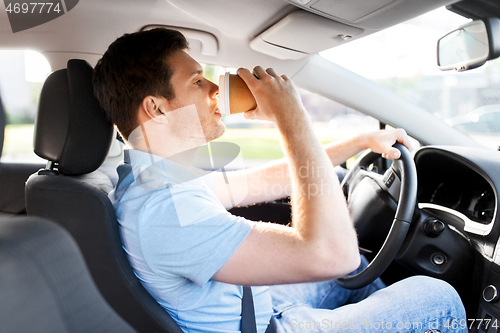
322,243
271,181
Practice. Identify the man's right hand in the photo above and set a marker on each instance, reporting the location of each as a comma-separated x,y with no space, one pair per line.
277,97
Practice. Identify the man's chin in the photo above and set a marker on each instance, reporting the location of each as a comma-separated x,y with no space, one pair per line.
217,132
223,130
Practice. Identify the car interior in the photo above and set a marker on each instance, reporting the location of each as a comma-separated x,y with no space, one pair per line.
62,265
46,286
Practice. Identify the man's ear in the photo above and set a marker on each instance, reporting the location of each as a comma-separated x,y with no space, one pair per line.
153,107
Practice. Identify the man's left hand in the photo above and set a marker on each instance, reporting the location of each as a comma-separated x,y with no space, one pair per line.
381,142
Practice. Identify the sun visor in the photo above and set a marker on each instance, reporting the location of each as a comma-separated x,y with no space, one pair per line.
371,14
349,11
301,33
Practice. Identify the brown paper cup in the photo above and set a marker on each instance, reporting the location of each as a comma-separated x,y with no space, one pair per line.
234,95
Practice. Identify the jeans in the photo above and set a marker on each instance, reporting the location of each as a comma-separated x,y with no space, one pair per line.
416,304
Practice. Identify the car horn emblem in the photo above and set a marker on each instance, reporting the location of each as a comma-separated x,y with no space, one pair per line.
24,14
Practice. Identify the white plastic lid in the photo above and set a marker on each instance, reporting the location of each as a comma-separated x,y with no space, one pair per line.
224,93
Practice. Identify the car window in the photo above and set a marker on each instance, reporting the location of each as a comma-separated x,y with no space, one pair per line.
259,140
333,120
403,59
22,74
21,77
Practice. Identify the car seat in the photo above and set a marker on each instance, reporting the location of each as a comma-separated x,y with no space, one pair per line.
45,285
12,178
73,134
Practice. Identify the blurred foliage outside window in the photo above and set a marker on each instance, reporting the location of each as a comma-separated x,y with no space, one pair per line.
21,77
259,140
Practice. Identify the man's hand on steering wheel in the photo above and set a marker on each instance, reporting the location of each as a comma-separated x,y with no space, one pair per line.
381,142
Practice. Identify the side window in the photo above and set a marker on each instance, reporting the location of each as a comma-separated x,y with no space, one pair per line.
259,140
335,121
21,77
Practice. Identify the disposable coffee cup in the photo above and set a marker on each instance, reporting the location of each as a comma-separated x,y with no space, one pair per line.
234,95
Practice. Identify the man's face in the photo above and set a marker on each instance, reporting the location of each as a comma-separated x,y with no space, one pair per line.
192,88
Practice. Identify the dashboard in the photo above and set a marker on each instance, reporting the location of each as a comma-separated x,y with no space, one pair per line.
458,186
451,183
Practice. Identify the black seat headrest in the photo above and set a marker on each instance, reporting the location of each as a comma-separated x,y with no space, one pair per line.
71,129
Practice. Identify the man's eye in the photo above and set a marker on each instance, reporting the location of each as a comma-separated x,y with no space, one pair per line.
198,82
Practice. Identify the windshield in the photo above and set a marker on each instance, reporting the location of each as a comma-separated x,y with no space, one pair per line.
403,59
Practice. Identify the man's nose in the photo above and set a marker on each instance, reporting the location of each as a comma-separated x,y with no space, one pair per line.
214,90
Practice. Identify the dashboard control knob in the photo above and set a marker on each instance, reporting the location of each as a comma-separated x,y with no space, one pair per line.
490,294
433,227
438,259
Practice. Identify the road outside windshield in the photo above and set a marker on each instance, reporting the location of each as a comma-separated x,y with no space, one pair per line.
403,59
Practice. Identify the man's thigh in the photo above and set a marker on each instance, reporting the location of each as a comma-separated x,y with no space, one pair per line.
320,295
416,304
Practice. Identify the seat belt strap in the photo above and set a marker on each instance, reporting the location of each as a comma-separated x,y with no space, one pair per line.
248,324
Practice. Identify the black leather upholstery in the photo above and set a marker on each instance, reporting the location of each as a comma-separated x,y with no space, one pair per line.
71,133
12,178
70,128
45,285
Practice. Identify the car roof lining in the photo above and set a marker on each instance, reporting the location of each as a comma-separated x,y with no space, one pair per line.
92,25
86,31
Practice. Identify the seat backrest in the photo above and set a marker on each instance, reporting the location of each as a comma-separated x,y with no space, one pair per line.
45,285
12,178
73,134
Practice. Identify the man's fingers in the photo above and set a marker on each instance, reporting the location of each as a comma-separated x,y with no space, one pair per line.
275,95
272,72
392,154
259,72
382,142
245,75
243,71
251,79
404,139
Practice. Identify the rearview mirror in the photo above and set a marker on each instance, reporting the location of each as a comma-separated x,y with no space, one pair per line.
469,46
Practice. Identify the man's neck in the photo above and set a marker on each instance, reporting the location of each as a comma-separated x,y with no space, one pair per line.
185,158
154,140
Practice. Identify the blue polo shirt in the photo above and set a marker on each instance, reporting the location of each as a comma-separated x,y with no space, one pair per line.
177,235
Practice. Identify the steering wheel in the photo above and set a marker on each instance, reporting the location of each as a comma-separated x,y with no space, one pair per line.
403,169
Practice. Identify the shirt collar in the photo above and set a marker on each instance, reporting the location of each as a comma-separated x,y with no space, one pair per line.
151,169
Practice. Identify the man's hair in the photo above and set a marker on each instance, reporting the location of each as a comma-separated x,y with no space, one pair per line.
135,66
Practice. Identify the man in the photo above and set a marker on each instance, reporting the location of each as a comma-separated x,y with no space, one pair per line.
192,255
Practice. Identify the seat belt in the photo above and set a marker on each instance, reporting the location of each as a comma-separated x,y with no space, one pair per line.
248,324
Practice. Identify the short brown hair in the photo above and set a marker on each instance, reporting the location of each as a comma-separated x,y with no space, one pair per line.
133,67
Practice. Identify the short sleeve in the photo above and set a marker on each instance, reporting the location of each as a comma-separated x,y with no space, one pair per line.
187,232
